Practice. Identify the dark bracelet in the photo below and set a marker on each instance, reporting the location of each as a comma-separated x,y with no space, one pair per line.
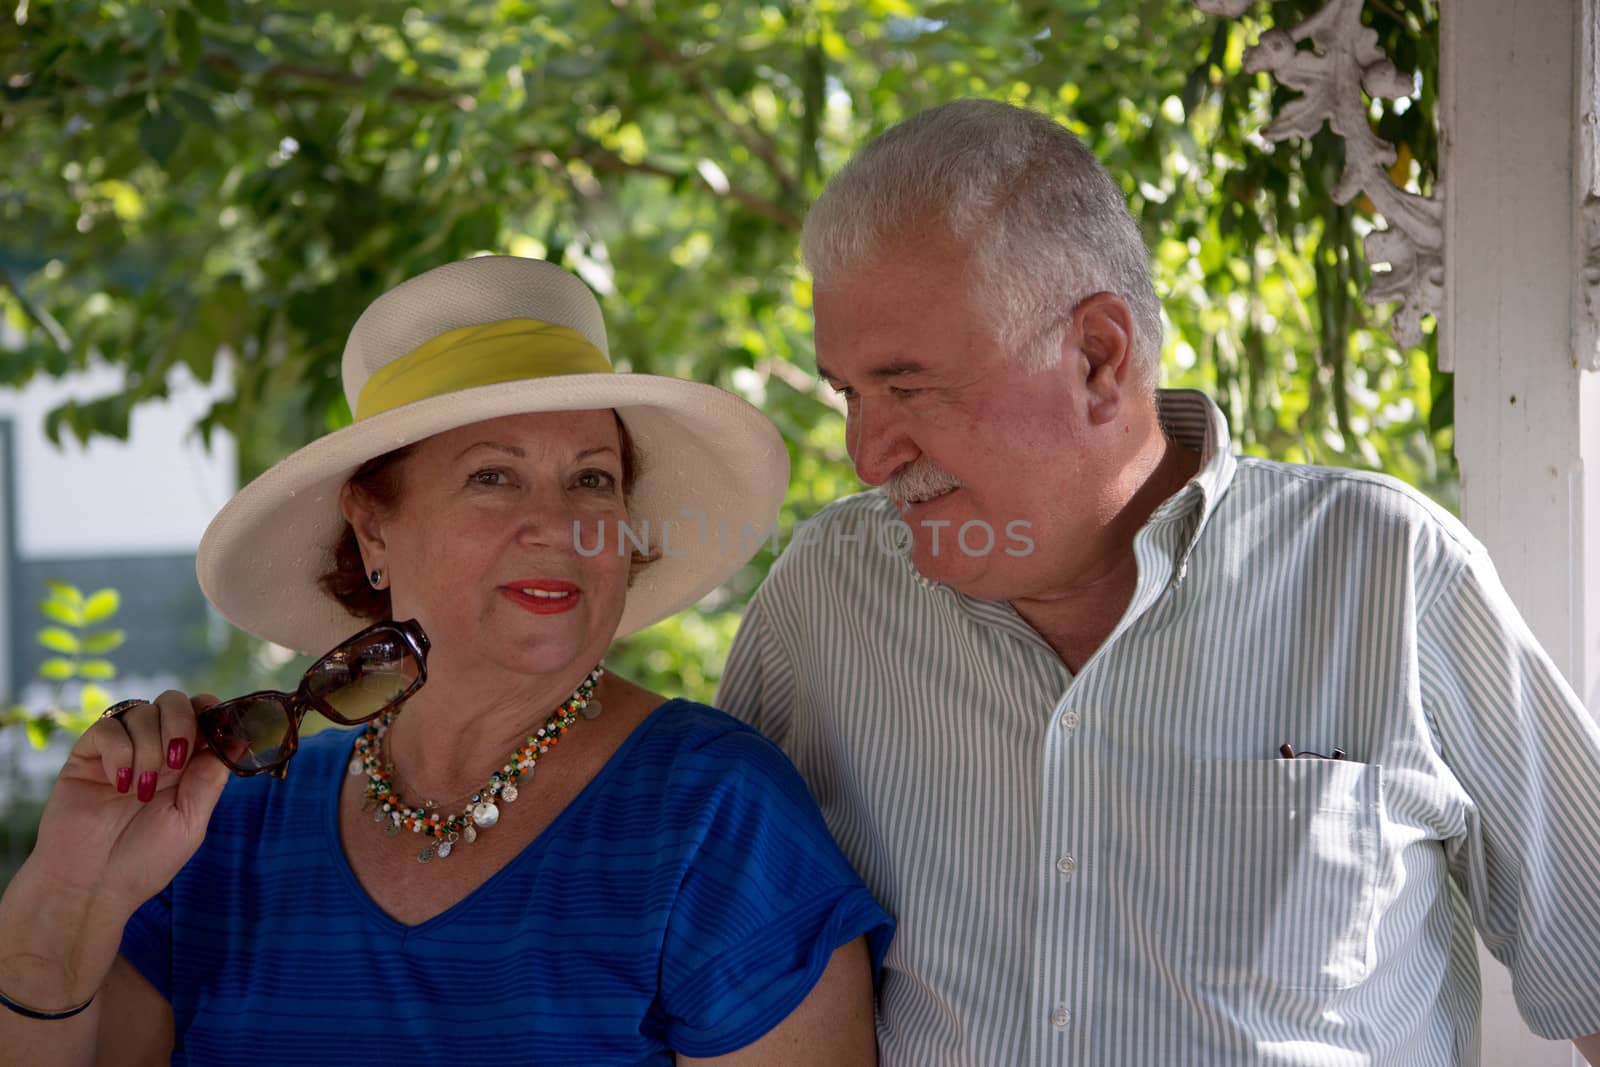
34,1013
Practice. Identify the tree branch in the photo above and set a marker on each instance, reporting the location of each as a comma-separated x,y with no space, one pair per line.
798,380
1387,10
603,159
340,80
41,318
759,145
286,71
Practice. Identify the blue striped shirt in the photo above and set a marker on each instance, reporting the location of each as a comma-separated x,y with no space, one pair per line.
1117,867
687,899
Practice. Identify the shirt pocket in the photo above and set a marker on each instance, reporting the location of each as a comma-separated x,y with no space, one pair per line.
1281,880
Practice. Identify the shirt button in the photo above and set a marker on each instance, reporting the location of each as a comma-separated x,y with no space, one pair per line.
1060,1017
1069,721
1066,865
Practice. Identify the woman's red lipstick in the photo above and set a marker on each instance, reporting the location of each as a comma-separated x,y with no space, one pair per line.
557,596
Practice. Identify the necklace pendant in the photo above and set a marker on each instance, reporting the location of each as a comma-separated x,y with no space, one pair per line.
591,710
444,849
485,814
394,825
469,833
355,766
377,816
368,804
429,850
508,792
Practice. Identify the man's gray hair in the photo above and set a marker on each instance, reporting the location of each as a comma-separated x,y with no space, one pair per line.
1047,224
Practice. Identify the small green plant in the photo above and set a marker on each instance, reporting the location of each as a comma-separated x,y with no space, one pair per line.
78,642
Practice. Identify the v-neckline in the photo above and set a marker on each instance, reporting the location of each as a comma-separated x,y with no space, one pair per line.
388,923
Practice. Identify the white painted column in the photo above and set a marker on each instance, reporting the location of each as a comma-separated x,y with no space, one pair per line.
1525,411
1517,120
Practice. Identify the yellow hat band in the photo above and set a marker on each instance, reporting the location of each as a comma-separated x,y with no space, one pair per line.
511,350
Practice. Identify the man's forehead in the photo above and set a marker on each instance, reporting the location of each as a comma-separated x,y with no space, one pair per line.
866,334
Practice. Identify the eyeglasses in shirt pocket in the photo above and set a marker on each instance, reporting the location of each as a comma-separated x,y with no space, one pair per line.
1281,881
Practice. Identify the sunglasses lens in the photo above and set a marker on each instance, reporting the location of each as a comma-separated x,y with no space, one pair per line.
249,733
357,680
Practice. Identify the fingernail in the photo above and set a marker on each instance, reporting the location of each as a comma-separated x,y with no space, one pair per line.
177,752
147,785
124,778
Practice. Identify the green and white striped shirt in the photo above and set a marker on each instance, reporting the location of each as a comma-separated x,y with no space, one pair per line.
1118,867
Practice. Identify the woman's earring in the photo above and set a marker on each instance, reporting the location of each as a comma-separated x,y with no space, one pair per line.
376,578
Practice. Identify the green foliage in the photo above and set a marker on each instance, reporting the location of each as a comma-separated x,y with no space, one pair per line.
1263,275
241,177
81,642
682,655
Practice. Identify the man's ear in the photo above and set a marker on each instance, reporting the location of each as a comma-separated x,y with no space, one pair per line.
362,514
1102,328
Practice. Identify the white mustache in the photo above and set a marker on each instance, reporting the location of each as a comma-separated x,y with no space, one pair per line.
920,481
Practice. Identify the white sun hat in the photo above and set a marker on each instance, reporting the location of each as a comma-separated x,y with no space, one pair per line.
476,340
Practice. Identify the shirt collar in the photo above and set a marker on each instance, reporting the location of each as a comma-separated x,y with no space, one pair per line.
1194,421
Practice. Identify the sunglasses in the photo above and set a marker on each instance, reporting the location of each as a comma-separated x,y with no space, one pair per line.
359,679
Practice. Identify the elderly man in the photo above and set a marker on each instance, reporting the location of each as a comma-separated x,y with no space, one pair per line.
1158,754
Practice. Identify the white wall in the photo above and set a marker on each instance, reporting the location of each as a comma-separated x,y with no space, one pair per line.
152,494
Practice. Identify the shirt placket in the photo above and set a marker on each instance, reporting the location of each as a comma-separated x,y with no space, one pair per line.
1071,882
1069,885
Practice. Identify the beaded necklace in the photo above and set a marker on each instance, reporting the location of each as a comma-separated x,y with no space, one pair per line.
481,810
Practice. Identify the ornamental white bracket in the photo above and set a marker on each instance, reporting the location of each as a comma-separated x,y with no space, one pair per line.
1344,59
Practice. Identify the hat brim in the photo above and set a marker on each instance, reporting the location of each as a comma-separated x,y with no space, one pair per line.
713,475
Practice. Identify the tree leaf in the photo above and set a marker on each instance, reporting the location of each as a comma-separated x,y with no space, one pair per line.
93,700
186,28
57,639
103,641
196,108
65,614
65,592
102,670
56,669
159,134
101,606
1441,410
215,10
39,731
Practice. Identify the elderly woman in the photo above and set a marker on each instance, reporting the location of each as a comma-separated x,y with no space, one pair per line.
448,884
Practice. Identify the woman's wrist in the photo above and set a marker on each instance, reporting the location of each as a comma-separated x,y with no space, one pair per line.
16,1007
57,944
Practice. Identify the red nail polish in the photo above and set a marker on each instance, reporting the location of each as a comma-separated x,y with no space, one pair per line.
177,752
147,785
124,779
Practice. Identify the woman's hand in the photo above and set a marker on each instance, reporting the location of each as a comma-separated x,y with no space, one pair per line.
128,810
132,803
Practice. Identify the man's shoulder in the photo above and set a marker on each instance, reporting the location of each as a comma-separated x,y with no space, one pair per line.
848,556
860,533
1315,499
868,508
